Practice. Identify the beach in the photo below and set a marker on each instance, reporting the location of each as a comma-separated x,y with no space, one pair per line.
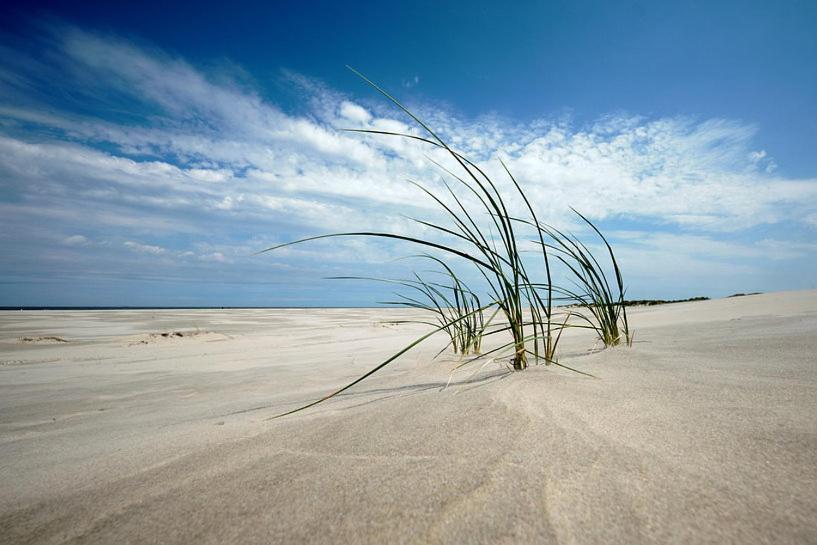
140,426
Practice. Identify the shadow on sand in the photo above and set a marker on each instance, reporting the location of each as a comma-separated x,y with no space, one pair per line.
462,385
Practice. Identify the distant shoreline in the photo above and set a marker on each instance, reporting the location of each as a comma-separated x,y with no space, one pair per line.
635,302
25,308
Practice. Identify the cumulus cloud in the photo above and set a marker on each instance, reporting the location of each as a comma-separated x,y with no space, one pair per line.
354,112
198,156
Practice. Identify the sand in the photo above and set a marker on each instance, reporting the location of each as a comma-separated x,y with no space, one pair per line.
111,432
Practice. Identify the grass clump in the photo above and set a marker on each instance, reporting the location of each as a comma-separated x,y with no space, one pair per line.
454,307
481,232
602,300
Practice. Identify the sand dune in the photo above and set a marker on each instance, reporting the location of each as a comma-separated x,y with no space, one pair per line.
704,432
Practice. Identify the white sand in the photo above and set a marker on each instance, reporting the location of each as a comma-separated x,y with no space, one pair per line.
704,432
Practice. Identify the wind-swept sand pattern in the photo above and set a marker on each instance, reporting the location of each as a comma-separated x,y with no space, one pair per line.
704,432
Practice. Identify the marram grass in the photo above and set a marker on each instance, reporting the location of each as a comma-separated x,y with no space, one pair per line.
493,249
446,303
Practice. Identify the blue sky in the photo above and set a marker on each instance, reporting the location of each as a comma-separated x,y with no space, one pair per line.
147,151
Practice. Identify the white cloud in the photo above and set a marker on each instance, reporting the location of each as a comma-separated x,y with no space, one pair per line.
209,175
215,256
708,248
75,240
217,141
201,157
354,112
144,248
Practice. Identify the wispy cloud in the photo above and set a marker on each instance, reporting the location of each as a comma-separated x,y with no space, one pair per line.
144,248
152,155
75,240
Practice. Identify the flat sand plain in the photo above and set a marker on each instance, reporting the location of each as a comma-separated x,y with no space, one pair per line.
705,431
